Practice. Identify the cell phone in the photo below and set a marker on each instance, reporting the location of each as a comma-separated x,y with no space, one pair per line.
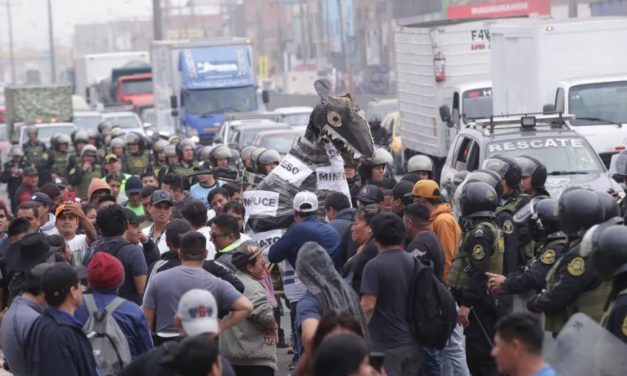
69,196
376,360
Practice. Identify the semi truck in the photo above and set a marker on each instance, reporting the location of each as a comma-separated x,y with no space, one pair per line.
443,81
91,69
196,83
130,85
573,66
37,104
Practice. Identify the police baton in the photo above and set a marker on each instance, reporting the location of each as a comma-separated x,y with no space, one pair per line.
487,337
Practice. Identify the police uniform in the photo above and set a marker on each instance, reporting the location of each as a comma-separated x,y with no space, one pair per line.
60,163
571,287
481,251
615,320
519,247
37,154
136,164
81,179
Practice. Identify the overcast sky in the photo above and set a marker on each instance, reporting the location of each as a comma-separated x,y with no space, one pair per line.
30,18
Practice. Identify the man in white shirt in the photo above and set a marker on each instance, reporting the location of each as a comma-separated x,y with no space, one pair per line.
195,212
69,217
160,210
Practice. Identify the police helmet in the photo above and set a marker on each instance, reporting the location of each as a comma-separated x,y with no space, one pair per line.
533,168
235,158
375,119
117,142
266,157
170,151
609,204
131,139
608,250
16,151
579,209
205,153
117,132
506,167
89,150
220,152
62,139
160,145
419,163
255,155
32,129
478,199
246,151
381,156
621,165
91,133
105,126
174,140
544,216
81,136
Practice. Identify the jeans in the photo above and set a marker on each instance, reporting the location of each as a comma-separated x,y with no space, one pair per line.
454,355
403,361
431,362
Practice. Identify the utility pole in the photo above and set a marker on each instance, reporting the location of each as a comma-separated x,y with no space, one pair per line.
53,68
157,26
347,66
11,52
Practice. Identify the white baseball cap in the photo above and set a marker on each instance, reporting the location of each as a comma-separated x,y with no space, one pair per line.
306,202
198,312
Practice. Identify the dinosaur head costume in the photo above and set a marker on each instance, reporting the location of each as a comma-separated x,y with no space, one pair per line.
337,134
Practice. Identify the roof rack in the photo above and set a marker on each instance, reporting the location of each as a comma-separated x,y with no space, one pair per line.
252,116
526,121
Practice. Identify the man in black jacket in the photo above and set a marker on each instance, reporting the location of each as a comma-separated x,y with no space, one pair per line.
56,342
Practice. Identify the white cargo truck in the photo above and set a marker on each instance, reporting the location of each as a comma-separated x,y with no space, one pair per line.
92,68
443,80
576,66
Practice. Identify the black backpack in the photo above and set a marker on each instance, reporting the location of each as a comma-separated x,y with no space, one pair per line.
432,309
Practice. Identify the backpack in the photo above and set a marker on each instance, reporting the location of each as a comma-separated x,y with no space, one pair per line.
108,342
432,309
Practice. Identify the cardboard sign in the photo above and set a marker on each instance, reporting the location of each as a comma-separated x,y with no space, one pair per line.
333,179
265,240
258,203
292,170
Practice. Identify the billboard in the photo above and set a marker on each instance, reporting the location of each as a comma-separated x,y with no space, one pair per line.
492,9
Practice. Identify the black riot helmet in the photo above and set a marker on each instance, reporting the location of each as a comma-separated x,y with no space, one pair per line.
607,250
579,209
609,204
506,167
533,168
478,199
544,217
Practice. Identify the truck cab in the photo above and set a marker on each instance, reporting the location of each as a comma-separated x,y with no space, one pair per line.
600,108
469,102
135,90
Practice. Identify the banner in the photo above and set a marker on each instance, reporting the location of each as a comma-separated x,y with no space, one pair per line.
500,9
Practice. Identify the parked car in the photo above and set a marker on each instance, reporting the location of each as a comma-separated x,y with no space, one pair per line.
45,132
280,140
294,115
127,120
244,134
87,120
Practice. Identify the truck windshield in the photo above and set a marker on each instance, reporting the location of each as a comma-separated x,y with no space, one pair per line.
604,101
477,103
137,87
87,122
201,102
560,154
125,122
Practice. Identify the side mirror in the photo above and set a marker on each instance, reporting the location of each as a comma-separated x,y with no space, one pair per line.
265,96
445,115
173,102
548,109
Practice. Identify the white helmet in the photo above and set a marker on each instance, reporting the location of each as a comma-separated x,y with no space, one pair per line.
419,163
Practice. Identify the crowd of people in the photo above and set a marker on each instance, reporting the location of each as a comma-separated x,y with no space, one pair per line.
124,257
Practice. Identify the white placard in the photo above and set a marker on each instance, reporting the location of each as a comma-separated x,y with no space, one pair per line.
292,170
265,240
261,202
333,179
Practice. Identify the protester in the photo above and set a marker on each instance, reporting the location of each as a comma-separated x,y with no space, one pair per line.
370,194
236,210
167,287
113,223
225,236
133,189
518,346
54,193
91,212
424,244
195,212
19,318
217,198
56,343
340,216
343,355
30,211
5,217
105,275
250,346
134,235
69,217
206,183
46,219
385,295
24,192
97,187
146,196
149,179
160,210
173,184
399,197
361,235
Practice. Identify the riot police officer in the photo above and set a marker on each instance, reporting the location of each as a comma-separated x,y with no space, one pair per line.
37,154
158,156
136,159
104,129
245,156
220,156
185,150
518,251
421,166
534,176
80,176
571,285
481,251
608,259
12,169
59,155
546,233
117,147
374,169
380,135
267,161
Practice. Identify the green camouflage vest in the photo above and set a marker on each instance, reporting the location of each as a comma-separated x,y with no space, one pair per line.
137,163
606,316
81,189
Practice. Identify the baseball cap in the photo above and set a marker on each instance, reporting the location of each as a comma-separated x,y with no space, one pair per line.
111,158
160,196
426,188
58,279
133,185
370,194
133,218
60,209
246,252
198,312
41,198
29,171
305,202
